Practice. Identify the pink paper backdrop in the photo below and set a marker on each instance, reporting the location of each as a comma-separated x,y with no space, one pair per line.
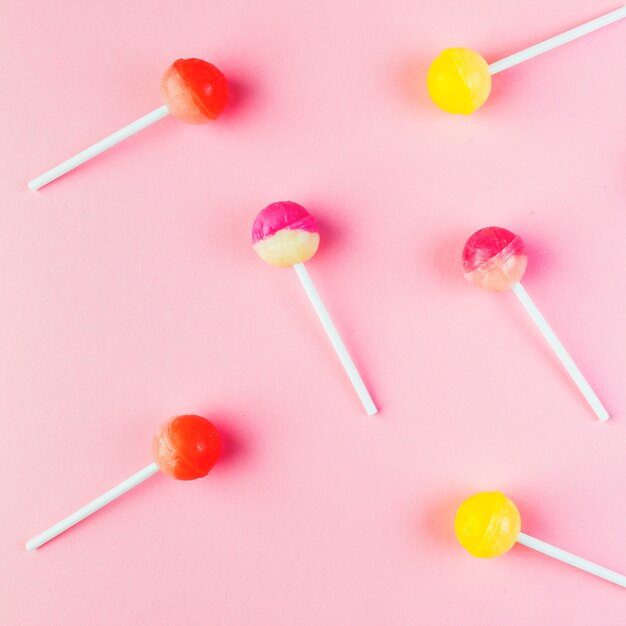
130,293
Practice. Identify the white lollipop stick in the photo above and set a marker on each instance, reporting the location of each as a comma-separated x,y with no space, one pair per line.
559,40
561,352
335,339
572,559
97,148
92,507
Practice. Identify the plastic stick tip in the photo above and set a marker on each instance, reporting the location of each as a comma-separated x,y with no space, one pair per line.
371,410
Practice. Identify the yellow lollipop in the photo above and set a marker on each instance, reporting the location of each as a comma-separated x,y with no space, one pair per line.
488,524
459,79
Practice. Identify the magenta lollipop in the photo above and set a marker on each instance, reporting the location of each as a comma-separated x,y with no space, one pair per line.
284,234
494,259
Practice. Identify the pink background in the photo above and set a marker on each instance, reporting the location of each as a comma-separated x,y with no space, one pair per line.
131,293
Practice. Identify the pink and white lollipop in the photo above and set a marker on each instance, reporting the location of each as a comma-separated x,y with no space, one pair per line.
285,234
494,259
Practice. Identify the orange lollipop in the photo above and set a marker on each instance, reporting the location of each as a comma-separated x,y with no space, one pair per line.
193,91
185,447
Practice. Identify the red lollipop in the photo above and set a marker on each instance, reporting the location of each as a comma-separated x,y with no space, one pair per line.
193,91
185,447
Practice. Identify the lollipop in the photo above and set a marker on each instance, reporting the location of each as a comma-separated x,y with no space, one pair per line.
185,447
494,259
193,91
488,524
459,79
285,234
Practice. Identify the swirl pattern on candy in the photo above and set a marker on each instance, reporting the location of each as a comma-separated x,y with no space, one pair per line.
284,234
185,448
488,525
494,258
459,79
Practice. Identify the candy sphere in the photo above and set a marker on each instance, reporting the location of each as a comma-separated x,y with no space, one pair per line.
186,447
487,524
194,91
494,258
285,233
459,80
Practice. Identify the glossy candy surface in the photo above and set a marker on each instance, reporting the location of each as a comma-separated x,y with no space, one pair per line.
459,80
494,258
285,233
186,447
487,524
194,91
